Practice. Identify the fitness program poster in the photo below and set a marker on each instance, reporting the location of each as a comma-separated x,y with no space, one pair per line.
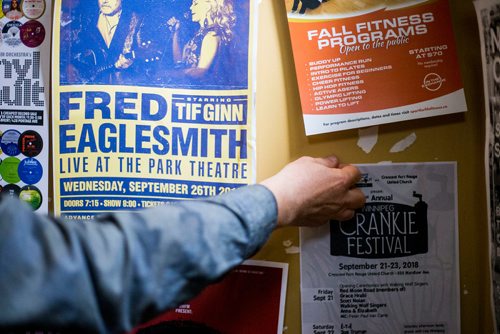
488,16
361,63
393,268
25,30
153,102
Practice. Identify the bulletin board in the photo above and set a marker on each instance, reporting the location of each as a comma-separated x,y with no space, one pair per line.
458,137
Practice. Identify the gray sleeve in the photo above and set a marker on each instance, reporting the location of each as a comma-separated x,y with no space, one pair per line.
107,276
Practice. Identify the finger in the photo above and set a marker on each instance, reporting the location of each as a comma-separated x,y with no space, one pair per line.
345,214
329,161
353,174
354,199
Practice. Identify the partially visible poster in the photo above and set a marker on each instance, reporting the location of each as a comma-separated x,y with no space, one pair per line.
250,299
153,102
361,63
488,16
394,267
25,30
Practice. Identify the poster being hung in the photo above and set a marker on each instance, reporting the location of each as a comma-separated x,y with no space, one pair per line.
249,299
153,102
25,30
361,63
393,268
488,16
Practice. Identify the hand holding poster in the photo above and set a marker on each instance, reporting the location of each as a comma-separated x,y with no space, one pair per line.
361,63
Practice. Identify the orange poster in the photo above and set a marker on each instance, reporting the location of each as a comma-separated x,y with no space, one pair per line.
367,62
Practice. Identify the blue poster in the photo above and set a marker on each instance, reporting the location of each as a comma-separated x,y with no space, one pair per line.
153,102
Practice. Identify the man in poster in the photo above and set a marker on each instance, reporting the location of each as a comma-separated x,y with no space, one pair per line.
103,44
106,51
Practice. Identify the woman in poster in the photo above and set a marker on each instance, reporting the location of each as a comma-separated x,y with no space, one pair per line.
202,57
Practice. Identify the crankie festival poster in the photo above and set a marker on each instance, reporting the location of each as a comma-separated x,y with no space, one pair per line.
362,63
152,102
393,268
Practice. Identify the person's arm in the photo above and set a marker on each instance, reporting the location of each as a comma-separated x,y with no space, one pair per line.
174,26
108,275
208,52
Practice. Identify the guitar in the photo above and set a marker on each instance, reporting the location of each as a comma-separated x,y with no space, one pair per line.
90,64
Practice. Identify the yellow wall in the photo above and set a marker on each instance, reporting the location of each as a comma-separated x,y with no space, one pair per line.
458,137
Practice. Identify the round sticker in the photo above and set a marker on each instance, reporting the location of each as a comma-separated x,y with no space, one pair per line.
11,190
9,170
33,9
11,32
10,142
30,171
12,9
31,195
32,34
30,143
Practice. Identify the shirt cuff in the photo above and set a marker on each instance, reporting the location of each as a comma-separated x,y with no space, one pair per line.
257,208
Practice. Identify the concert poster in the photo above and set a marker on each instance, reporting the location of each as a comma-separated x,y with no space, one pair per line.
488,16
249,299
393,268
152,102
363,63
25,37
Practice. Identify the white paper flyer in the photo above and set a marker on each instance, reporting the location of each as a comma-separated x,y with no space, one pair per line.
393,268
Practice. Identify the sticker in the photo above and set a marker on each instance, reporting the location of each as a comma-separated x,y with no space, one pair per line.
9,142
33,9
32,196
9,170
11,33
12,9
30,143
32,34
11,190
30,171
